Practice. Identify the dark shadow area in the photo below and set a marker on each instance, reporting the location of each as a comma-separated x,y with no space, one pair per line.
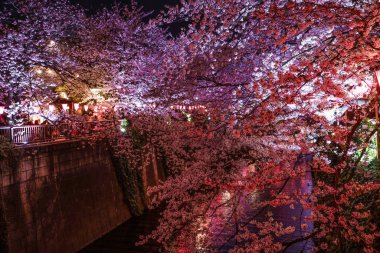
123,238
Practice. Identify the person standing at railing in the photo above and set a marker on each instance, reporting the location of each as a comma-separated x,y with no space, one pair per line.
29,123
3,121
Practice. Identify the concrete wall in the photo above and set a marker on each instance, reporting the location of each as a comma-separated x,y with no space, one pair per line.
60,198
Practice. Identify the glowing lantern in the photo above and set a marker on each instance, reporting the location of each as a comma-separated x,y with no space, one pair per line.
63,95
85,107
2,109
65,107
51,108
76,106
95,109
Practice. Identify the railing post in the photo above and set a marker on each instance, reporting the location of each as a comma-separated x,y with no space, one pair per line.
11,135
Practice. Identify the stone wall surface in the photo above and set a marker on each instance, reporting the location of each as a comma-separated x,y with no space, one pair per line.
60,197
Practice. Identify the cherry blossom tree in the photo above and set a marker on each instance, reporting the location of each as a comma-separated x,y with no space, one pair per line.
51,47
33,61
230,104
267,71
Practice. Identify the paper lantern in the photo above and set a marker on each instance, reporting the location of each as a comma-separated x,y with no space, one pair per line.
65,107
76,106
85,107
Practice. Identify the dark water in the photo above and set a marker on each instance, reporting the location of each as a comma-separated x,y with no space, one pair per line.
289,215
123,238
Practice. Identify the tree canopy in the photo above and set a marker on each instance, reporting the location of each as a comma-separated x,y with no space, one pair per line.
245,83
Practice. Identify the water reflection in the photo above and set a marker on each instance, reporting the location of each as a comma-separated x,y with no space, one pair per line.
236,209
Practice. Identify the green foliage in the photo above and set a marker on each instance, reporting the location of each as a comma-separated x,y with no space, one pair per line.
131,183
129,177
6,149
124,126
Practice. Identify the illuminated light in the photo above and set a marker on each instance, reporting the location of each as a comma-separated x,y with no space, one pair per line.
39,71
76,106
85,107
63,95
50,72
2,108
65,107
51,43
76,75
124,125
51,108
226,196
95,109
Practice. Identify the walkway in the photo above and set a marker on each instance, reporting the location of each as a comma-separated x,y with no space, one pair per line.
36,134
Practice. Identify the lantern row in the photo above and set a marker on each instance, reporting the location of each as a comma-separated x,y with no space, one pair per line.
65,107
187,107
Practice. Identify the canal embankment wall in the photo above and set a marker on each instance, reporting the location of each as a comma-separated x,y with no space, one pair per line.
59,197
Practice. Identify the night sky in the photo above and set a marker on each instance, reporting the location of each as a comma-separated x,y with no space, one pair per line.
93,6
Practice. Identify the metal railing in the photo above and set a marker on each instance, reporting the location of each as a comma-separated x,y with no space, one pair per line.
45,133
